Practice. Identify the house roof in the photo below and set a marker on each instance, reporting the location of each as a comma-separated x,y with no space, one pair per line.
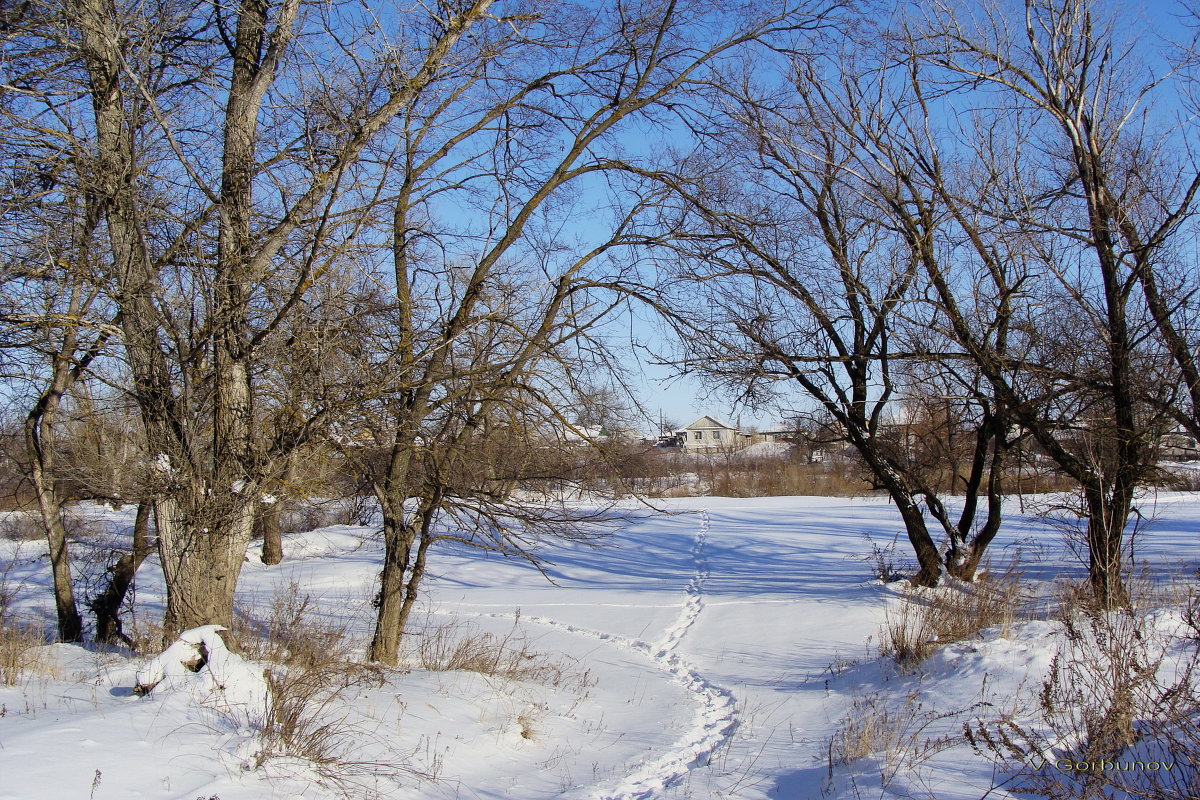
707,422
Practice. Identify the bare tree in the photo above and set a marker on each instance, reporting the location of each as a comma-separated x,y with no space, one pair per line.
789,277
196,111
56,320
1075,214
491,277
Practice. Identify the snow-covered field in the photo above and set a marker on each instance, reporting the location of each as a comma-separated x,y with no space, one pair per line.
710,652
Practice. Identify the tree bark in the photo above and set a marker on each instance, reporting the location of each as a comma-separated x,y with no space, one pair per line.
201,564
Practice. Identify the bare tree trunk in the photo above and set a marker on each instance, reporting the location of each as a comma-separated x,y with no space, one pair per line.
966,550
107,606
398,536
1107,515
417,573
70,623
40,445
267,525
400,581
201,566
964,563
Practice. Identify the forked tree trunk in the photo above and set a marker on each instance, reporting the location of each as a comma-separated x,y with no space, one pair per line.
966,550
929,560
398,584
417,573
964,563
107,607
398,536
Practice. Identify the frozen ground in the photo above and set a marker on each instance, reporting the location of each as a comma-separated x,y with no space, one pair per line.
707,653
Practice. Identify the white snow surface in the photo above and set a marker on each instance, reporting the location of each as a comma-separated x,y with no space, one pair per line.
709,649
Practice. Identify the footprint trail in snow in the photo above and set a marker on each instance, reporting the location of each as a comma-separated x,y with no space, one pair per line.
716,716
715,719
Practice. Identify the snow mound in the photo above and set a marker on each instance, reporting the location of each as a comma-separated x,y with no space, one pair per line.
200,664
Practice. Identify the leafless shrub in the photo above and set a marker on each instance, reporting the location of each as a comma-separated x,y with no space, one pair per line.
147,633
80,528
886,564
1180,480
777,477
929,618
1119,703
21,526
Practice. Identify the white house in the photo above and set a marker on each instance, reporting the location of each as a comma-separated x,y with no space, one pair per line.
708,434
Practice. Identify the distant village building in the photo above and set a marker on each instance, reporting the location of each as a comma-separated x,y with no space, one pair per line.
711,434
1178,445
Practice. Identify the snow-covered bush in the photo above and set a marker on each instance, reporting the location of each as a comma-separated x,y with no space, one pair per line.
199,663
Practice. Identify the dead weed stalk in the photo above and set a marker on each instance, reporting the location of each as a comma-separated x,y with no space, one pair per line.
896,735
1122,692
312,680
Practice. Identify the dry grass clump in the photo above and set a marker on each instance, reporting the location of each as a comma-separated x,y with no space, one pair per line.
20,640
313,676
20,649
895,734
292,633
929,618
308,717
887,565
459,646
